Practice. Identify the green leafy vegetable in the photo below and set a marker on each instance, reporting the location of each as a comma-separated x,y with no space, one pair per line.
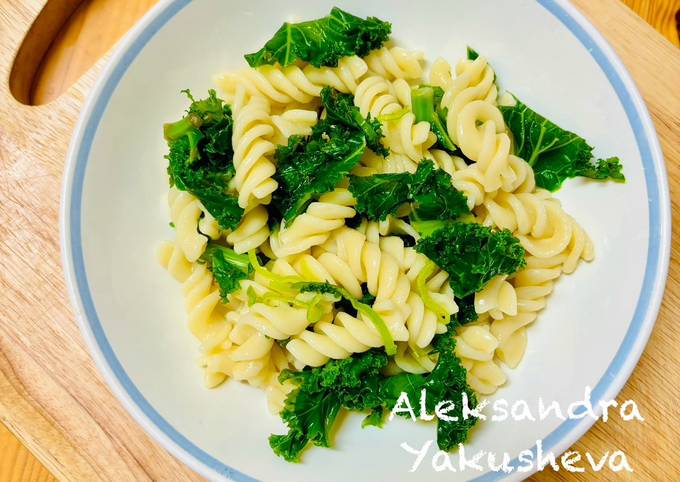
554,153
472,254
472,53
364,309
357,383
227,267
466,310
309,167
322,42
433,195
311,409
425,102
340,109
448,381
380,195
429,190
200,157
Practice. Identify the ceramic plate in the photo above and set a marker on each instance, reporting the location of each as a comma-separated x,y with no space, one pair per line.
131,312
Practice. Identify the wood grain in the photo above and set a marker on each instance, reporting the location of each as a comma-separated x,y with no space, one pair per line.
17,463
78,430
663,15
83,41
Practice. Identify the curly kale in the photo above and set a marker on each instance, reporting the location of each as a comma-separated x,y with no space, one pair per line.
429,190
340,108
310,166
200,157
228,268
472,254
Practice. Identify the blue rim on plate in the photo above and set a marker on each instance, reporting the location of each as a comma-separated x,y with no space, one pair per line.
557,441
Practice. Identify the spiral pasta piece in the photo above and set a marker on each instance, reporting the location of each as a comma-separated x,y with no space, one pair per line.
498,298
422,323
447,162
349,255
252,150
346,335
540,223
345,77
201,297
474,123
247,355
476,346
474,80
395,63
293,122
532,286
251,232
580,248
171,257
315,225
524,213
292,84
193,223
376,96
412,360
467,179
481,137
276,395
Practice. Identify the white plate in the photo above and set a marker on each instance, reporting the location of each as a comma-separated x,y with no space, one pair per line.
131,312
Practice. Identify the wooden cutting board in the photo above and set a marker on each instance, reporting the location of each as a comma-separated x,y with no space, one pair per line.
52,397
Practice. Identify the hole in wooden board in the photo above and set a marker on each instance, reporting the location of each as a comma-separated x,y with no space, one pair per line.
66,39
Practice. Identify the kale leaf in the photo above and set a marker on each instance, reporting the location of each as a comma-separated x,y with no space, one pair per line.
466,310
472,254
340,109
310,166
311,409
554,153
429,190
357,383
227,267
380,195
433,195
200,157
425,103
324,41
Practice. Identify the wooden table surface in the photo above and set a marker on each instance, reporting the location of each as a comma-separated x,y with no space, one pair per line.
31,417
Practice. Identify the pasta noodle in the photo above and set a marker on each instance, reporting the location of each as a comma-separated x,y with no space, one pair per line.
395,63
531,285
293,122
171,257
193,224
377,97
251,232
315,225
293,84
476,347
252,150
